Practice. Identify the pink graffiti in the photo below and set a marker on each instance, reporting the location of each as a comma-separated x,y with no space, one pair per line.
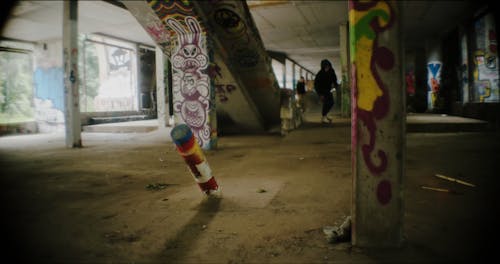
213,71
189,57
157,32
191,86
384,192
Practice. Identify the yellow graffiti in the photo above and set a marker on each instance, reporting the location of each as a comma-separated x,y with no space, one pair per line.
368,89
356,15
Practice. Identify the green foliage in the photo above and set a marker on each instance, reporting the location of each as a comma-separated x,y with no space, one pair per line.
88,65
16,86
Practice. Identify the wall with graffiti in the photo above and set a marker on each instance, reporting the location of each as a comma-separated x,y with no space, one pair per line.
232,101
49,86
464,68
410,81
377,89
242,49
486,87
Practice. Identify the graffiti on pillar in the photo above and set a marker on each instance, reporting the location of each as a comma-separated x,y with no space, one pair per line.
190,84
464,68
235,30
410,82
157,30
433,82
486,85
369,91
223,90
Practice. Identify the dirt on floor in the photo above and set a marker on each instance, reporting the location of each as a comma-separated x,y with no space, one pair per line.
130,198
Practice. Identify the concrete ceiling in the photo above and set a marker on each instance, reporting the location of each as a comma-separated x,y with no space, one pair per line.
307,31
42,20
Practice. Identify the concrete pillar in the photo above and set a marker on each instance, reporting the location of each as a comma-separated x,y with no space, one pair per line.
378,123
345,100
464,66
70,58
284,75
168,83
160,88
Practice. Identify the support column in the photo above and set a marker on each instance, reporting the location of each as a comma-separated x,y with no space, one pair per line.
160,88
378,123
345,100
70,58
170,96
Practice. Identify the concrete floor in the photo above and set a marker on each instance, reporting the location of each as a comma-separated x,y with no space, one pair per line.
92,205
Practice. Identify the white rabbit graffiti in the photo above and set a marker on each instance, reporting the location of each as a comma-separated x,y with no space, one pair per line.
190,85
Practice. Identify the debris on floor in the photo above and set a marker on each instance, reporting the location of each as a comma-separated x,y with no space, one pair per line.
439,189
337,234
156,186
261,191
454,180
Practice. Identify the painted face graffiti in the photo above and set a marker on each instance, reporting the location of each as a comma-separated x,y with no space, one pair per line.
189,56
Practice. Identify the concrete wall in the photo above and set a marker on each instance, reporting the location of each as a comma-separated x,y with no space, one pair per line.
234,106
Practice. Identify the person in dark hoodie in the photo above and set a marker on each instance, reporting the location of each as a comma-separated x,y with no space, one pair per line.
323,83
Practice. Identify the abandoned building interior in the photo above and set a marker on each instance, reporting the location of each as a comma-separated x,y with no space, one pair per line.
172,131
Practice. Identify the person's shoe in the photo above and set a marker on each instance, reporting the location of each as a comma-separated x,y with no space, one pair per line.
326,120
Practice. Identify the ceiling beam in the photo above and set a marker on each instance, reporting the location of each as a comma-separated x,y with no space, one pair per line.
266,3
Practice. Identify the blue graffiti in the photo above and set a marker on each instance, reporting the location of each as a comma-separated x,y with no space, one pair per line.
49,84
434,68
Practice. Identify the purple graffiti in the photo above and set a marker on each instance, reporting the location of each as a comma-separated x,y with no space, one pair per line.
189,56
191,85
384,58
384,192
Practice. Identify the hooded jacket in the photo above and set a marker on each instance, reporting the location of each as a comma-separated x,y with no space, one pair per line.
325,79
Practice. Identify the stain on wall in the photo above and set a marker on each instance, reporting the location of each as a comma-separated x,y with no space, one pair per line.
370,101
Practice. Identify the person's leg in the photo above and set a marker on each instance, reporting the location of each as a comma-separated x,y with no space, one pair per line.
301,102
327,106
